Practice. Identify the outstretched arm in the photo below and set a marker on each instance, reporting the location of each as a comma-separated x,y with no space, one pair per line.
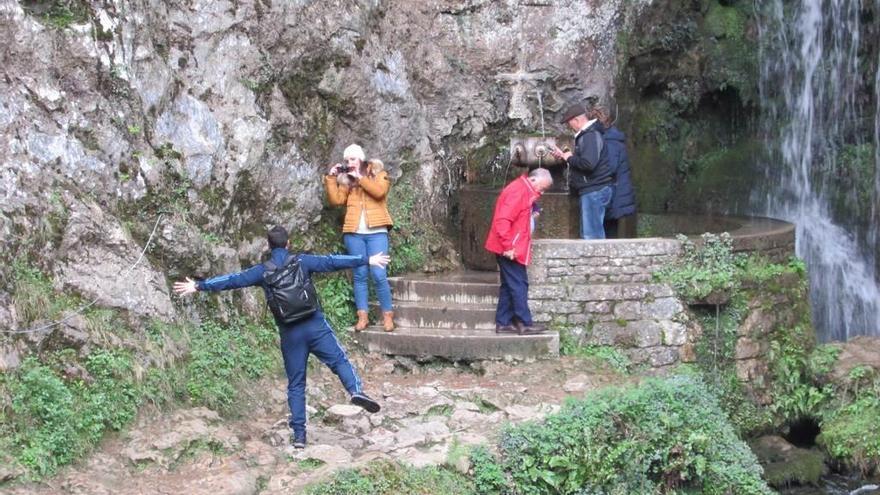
246,278
333,262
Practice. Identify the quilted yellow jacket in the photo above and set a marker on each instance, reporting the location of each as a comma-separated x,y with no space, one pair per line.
370,196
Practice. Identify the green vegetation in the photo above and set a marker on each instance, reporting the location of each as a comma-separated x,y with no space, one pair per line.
851,433
488,474
662,435
798,384
56,407
413,239
221,357
385,478
336,294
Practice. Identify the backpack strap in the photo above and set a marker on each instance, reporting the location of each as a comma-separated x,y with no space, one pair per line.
270,266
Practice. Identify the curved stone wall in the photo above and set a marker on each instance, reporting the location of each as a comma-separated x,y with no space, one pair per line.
603,292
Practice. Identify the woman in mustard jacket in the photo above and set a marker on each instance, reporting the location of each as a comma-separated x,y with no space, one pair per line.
362,186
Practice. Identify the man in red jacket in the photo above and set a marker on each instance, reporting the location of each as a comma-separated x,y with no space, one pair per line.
510,238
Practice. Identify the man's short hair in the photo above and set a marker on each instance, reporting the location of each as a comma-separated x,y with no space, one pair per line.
277,237
541,173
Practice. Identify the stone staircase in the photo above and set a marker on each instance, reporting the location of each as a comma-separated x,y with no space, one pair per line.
452,316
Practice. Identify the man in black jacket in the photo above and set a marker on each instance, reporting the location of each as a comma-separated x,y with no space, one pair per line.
589,174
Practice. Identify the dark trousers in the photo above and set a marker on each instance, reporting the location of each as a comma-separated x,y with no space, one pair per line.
312,336
513,295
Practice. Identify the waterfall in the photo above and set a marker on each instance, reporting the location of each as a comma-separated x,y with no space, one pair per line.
821,116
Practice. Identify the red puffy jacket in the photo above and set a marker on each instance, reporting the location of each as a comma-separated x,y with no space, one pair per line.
511,223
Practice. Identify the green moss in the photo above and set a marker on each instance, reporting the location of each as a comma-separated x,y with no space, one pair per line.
724,21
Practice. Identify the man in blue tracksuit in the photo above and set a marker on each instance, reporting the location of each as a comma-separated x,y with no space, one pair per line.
311,335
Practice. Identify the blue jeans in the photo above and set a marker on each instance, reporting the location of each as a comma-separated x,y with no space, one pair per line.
593,206
367,245
513,295
312,336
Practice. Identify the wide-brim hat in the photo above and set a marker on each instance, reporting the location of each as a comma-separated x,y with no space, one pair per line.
572,111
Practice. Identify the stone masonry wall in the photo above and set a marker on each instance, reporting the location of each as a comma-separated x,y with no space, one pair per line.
603,294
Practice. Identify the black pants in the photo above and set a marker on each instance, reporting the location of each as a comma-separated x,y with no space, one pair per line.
513,295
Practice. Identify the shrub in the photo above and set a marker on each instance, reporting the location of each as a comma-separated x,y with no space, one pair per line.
53,420
663,434
488,474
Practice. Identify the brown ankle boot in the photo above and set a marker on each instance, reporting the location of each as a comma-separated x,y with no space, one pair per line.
388,320
362,321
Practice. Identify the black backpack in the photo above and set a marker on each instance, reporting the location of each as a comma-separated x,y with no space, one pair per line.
289,292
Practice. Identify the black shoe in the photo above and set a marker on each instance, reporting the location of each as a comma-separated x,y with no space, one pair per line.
298,441
363,400
505,329
534,328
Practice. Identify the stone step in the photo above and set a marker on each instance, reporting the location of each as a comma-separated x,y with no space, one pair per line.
458,344
461,288
443,315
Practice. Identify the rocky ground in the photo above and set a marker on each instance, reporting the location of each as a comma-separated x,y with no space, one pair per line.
427,410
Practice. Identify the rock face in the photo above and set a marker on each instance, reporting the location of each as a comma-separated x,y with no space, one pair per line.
222,115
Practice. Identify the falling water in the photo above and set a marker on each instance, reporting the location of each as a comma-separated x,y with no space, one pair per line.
813,91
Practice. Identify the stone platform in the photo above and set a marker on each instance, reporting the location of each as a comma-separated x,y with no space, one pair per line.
452,316
601,292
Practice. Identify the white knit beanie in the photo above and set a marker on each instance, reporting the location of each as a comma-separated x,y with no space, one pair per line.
354,151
